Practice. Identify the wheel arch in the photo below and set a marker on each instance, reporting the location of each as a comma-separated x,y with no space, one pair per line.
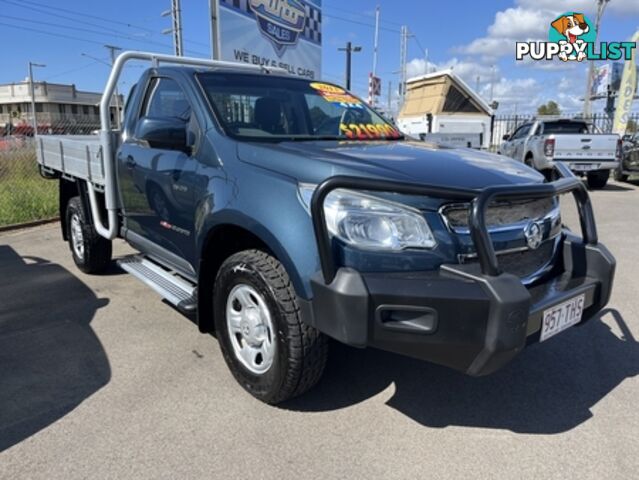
223,240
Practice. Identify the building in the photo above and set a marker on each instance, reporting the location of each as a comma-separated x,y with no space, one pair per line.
58,107
442,103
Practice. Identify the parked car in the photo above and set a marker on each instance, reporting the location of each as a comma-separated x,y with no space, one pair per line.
542,143
629,164
295,213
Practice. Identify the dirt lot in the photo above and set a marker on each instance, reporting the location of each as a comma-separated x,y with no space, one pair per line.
101,379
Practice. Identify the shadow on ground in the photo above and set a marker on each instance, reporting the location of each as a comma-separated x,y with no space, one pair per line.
549,388
50,358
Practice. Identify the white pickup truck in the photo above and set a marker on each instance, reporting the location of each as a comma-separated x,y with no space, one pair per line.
587,152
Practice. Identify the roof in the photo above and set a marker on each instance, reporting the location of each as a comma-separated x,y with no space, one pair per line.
459,82
242,68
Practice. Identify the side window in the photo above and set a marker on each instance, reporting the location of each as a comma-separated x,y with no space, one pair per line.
165,99
521,131
537,130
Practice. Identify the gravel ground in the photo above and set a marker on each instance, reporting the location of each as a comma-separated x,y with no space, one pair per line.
101,379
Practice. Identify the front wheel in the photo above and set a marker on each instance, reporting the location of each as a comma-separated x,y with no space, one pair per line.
268,349
91,252
598,179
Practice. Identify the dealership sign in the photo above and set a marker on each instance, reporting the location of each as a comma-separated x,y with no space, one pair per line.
273,33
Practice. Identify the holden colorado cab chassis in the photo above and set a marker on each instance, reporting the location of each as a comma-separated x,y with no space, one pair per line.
285,212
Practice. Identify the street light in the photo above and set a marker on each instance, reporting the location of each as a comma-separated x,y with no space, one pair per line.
350,49
32,91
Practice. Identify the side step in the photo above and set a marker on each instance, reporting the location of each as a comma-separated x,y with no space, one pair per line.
174,289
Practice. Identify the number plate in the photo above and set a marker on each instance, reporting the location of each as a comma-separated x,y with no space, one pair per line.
584,167
560,317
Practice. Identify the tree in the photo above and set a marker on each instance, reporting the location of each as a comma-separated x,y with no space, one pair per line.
631,126
550,108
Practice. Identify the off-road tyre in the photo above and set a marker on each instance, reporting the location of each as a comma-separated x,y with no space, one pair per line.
301,350
92,253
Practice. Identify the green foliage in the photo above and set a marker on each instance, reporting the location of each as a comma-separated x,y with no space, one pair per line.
550,108
24,195
631,126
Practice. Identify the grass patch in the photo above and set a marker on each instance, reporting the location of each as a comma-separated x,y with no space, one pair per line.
24,195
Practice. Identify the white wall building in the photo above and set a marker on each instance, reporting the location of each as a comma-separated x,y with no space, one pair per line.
56,105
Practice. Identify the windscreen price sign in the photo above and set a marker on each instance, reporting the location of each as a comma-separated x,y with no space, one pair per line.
273,33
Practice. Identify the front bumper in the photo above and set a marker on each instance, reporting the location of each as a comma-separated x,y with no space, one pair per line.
456,316
474,318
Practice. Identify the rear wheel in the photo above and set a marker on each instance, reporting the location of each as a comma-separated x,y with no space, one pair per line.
268,349
529,161
619,175
598,179
91,252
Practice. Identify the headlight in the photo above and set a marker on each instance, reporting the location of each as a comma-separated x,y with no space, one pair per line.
372,223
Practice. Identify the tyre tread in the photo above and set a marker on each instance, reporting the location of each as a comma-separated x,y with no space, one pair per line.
307,346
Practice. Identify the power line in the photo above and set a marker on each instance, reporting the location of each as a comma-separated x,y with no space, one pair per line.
93,32
102,19
357,14
357,22
88,30
60,35
36,9
73,70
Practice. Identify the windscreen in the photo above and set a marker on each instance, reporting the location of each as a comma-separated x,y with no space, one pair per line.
268,108
566,128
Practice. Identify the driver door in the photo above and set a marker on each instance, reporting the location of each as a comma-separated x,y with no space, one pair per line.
158,182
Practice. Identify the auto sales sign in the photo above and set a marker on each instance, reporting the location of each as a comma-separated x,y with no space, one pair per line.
273,33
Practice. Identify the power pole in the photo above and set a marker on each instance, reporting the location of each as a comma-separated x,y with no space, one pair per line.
214,9
350,49
371,94
32,91
376,46
601,6
492,83
176,29
118,123
403,53
390,97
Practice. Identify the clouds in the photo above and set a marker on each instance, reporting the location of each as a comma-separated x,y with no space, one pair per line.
468,70
519,22
588,6
528,21
539,81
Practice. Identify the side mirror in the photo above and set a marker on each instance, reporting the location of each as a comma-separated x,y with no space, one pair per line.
505,138
163,133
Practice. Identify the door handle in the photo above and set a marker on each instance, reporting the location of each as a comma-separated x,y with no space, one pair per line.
130,162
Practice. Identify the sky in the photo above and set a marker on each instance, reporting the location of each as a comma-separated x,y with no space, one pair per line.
474,37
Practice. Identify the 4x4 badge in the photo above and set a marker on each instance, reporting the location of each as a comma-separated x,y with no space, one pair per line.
534,235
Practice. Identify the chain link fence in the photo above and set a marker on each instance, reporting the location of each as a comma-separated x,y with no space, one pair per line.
25,196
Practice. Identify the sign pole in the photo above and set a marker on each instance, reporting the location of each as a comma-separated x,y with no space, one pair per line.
214,8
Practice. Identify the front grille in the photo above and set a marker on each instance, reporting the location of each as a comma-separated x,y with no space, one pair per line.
525,263
500,214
